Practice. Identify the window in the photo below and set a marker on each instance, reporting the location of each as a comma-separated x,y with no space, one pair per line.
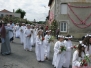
63,8
10,15
63,26
1,15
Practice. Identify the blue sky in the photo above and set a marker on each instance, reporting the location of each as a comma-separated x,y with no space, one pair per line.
35,9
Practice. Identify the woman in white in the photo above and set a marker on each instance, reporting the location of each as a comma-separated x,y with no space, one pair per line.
47,44
22,35
69,47
27,45
10,32
17,35
33,29
78,55
35,34
32,35
39,46
58,58
87,42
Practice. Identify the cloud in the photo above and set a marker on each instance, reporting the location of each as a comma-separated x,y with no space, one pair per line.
35,9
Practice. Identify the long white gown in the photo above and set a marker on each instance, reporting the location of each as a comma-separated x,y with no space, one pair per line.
10,32
17,31
59,58
55,54
39,49
88,52
68,52
35,34
32,37
47,45
22,35
14,31
76,60
27,44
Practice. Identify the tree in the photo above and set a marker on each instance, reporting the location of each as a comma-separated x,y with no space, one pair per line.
22,12
41,22
54,27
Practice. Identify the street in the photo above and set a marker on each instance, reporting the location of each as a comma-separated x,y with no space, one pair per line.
23,59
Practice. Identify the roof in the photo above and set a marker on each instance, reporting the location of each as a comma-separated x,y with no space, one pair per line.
50,2
6,11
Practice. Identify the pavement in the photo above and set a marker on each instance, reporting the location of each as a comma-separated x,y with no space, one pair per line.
24,59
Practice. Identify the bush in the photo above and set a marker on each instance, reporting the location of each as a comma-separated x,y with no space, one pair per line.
54,27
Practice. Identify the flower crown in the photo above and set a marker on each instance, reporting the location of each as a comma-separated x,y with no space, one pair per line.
82,44
40,30
69,37
48,31
60,36
87,35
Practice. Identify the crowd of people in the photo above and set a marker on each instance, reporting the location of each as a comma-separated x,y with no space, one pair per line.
34,36
31,36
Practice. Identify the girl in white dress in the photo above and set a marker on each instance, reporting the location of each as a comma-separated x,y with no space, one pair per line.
69,47
32,35
87,41
27,44
17,30
59,56
39,49
47,44
78,55
22,35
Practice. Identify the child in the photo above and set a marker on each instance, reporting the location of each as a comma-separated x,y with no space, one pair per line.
87,42
47,44
27,45
39,46
69,47
58,58
78,56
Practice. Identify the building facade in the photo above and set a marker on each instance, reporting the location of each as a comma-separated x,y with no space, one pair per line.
51,4
73,17
5,12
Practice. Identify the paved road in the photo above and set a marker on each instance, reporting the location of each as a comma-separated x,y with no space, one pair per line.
23,59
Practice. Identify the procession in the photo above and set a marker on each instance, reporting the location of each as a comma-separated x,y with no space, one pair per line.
45,34
33,36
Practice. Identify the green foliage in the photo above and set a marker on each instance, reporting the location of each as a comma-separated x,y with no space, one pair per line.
41,22
22,12
7,19
54,27
15,20
28,22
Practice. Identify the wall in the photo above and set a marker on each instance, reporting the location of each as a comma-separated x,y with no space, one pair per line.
75,1
82,13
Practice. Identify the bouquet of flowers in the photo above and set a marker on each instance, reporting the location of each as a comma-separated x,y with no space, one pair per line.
42,39
21,30
62,48
51,39
29,35
85,61
75,46
31,31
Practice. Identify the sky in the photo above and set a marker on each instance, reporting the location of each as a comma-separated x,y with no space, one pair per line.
35,9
